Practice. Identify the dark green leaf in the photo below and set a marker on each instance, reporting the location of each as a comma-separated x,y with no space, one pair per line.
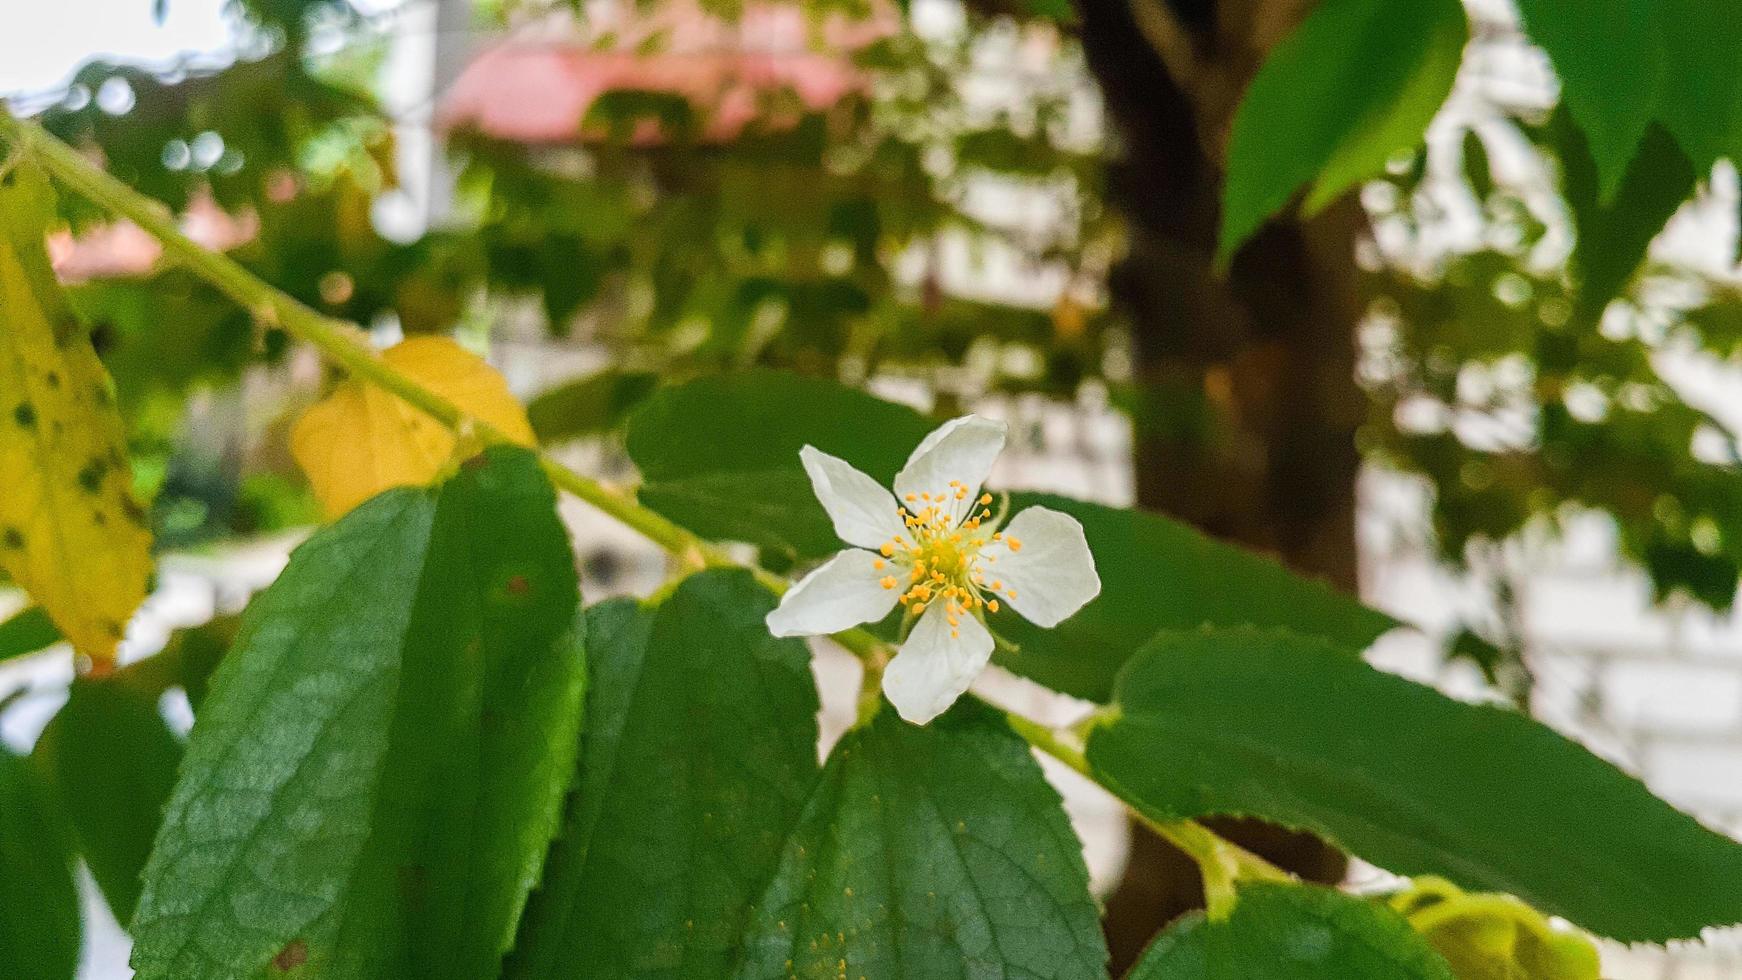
1159,574
590,405
1610,57
936,851
715,449
1702,96
1292,932
1611,239
1294,730
39,901
721,457
373,780
27,631
1477,173
112,761
1357,82
699,753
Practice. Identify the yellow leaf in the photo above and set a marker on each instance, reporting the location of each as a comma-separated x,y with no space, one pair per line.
361,440
71,532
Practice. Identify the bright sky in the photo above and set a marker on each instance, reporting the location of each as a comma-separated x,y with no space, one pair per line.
44,43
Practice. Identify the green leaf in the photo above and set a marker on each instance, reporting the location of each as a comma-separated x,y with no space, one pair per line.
720,456
590,405
39,901
372,782
1612,239
1292,932
936,851
1357,81
1294,730
699,753
1159,574
27,631
1611,59
1477,173
111,760
1702,97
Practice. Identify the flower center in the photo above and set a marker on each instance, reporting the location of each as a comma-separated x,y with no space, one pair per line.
942,556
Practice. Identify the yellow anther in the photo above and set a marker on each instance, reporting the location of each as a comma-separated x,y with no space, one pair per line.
918,608
888,582
911,498
888,549
985,499
991,605
1014,544
878,563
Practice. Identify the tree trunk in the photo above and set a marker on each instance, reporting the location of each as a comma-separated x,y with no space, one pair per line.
1248,405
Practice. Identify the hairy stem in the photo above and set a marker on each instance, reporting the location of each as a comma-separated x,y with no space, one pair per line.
345,345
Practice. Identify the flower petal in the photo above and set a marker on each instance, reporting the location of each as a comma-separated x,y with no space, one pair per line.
934,668
842,592
1052,571
863,511
962,450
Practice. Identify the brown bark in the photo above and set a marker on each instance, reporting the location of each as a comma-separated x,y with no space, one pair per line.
1248,406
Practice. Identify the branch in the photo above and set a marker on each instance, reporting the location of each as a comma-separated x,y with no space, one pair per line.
343,343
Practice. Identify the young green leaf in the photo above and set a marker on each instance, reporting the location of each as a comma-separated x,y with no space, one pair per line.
1494,936
699,753
1294,730
1611,59
111,760
71,532
1293,932
929,852
39,901
1357,81
720,456
371,785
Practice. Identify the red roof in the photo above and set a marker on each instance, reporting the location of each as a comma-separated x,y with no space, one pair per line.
539,91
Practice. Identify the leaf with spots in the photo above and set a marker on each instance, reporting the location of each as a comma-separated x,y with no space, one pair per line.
1293,932
929,852
699,753
361,439
71,532
373,780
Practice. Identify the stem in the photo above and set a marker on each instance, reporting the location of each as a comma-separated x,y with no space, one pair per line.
345,345
1219,861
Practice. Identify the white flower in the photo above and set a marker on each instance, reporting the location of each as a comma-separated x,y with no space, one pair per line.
938,552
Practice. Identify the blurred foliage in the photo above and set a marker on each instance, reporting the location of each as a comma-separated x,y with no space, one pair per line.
1500,374
821,244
